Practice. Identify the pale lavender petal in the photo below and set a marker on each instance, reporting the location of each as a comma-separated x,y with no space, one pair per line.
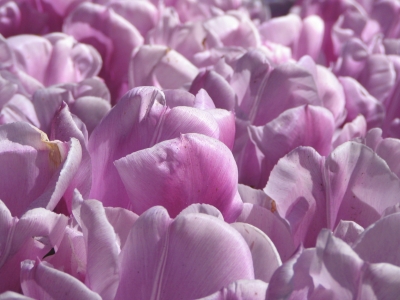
389,149
337,266
63,128
310,38
272,225
292,280
41,224
177,97
42,169
352,58
373,138
11,18
102,271
47,102
386,14
71,255
263,251
357,128
293,85
191,169
103,28
94,87
32,53
35,234
187,119
359,101
255,196
282,30
248,82
141,14
361,185
62,178
202,209
160,66
247,155
207,255
7,89
379,243
40,281
391,210
7,225
19,109
147,121
380,281
13,296
91,110
296,185
378,76
331,93
348,231
140,110
203,100
70,61
391,122
241,289
217,87
226,124
122,221
301,126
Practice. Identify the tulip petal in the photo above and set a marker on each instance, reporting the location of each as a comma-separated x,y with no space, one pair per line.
380,281
41,281
91,110
226,124
293,85
160,66
310,38
42,169
207,255
71,255
265,256
331,93
272,225
300,126
122,221
102,271
217,87
202,209
348,231
337,266
33,54
191,169
350,131
296,185
359,101
140,110
388,149
103,28
378,76
146,121
361,185
35,234
379,243
241,289
47,102
292,280
13,296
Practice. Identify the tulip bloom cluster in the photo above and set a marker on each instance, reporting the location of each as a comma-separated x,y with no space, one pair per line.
180,149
